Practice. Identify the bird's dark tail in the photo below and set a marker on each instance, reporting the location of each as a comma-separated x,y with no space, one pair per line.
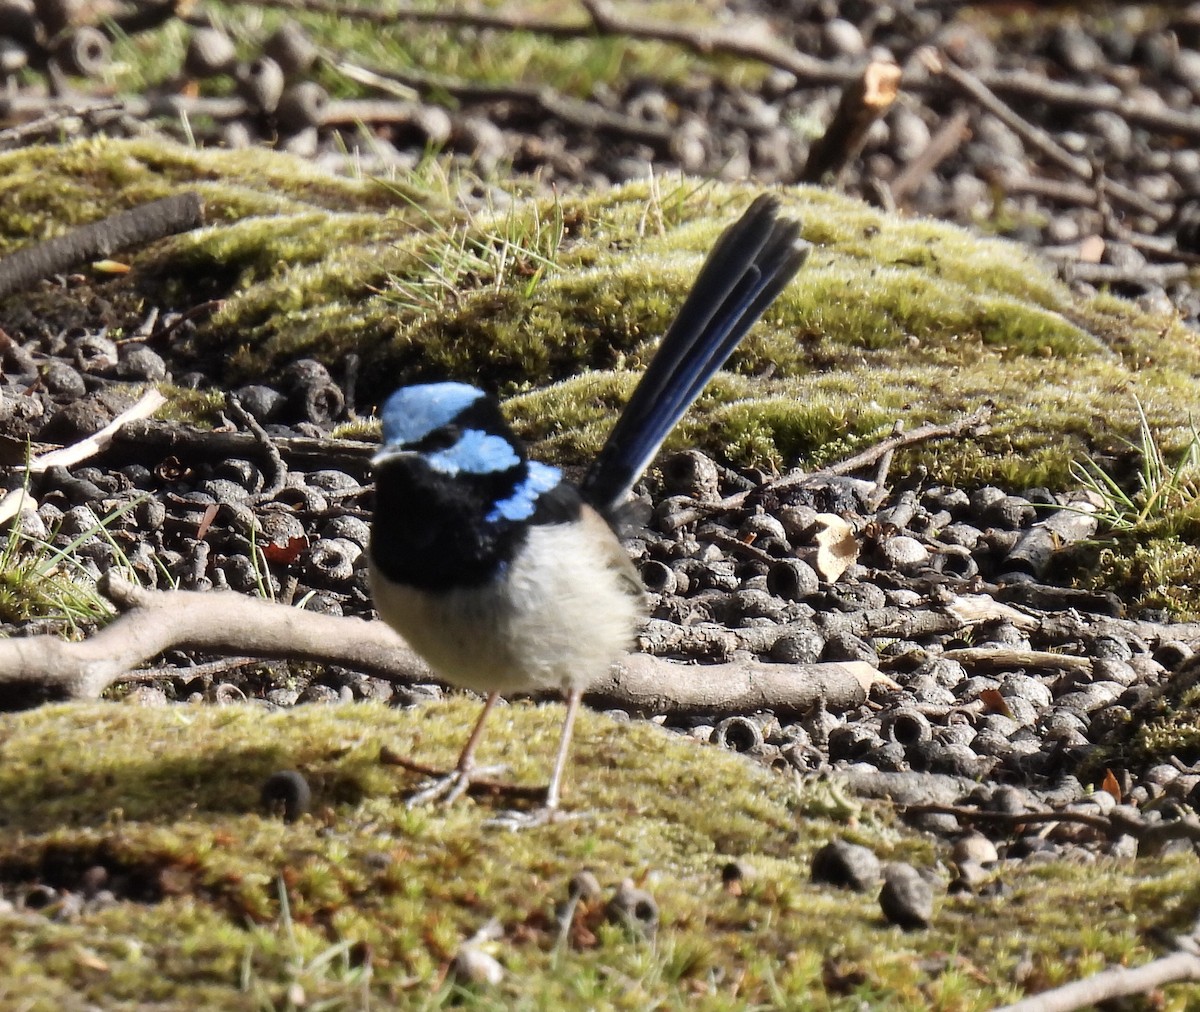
752,262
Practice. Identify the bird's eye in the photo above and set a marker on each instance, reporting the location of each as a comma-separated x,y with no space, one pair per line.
439,439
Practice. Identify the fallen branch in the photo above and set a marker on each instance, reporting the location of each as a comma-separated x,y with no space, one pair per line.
755,43
1034,136
1108,985
1121,821
223,622
948,138
544,99
651,686
1009,659
134,227
973,424
185,441
1141,276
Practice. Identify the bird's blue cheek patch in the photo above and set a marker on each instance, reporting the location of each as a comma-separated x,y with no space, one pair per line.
476,452
523,501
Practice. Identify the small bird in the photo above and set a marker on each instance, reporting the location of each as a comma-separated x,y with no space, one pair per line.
506,577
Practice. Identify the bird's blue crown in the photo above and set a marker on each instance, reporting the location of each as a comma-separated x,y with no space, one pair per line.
418,415
412,413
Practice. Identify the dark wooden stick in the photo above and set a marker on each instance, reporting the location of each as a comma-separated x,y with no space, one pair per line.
861,104
134,227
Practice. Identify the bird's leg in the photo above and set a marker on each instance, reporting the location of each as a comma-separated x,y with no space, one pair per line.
452,786
549,808
553,791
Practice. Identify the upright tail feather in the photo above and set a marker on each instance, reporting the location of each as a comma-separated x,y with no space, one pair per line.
751,263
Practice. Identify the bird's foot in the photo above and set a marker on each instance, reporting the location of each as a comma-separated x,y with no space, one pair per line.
532,818
449,787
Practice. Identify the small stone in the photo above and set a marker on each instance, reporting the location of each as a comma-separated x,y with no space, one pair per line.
904,553
137,362
974,847
845,864
906,898
840,37
471,965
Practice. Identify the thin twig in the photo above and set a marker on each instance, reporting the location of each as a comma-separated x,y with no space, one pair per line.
1032,135
582,114
949,136
974,423
276,476
145,406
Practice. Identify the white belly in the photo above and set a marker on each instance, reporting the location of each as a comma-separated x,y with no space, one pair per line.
558,617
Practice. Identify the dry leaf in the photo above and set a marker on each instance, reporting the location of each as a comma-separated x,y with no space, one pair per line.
110,267
286,553
837,548
993,702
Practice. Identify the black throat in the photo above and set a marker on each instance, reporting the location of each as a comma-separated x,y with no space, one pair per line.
431,531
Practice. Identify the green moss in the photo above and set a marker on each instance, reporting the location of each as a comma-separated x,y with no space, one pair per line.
558,303
1161,573
236,908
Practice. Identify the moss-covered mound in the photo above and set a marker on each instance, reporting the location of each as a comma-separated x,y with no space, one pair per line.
365,901
561,302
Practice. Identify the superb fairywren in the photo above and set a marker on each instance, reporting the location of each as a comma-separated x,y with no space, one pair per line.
506,577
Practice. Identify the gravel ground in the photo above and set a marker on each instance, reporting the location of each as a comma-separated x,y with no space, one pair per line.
1035,696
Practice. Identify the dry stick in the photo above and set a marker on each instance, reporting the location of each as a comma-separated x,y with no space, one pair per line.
949,136
225,622
587,115
861,104
1151,836
17,499
276,470
1038,138
57,120
1118,982
102,238
182,440
1031,87
463,17
145,406
749,40
883,468
1112,274
1009,659
1032,135
973,423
